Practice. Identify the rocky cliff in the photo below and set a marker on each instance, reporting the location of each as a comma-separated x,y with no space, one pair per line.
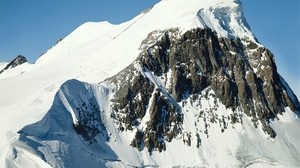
197,65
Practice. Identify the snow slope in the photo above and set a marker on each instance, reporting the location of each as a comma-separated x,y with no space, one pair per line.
2,65
92,53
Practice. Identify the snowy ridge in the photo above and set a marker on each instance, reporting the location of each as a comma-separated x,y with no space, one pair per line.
54,138
230,25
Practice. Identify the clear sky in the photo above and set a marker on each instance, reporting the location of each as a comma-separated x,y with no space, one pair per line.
30,27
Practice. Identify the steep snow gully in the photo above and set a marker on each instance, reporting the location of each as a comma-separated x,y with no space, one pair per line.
183,84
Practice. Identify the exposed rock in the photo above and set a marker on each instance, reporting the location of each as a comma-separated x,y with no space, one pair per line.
89,123
15,62
189,64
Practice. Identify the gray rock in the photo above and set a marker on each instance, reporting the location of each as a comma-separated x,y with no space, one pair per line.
196,61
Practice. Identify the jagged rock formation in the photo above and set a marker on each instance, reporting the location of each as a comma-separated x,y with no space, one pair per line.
19,60
241,74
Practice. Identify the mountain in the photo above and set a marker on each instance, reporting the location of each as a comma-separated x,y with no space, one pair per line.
19,60
183,84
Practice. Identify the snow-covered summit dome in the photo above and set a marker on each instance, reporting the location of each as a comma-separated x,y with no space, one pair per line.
224,16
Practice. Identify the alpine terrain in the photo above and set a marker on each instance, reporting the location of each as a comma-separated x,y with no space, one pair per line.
183,84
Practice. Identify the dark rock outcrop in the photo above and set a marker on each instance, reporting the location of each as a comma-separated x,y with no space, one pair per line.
15,62
241,74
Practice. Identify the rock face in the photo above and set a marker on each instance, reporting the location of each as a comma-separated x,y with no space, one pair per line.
173,68
15,62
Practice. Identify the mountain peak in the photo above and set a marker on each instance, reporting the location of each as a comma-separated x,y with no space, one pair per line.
15,62
223,16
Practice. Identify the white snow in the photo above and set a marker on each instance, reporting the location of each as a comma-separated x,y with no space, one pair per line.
3,65
146,118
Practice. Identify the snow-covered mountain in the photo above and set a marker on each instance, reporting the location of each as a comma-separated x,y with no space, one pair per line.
183,84
19,60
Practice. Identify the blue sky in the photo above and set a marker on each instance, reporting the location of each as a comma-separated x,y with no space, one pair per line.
31,27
